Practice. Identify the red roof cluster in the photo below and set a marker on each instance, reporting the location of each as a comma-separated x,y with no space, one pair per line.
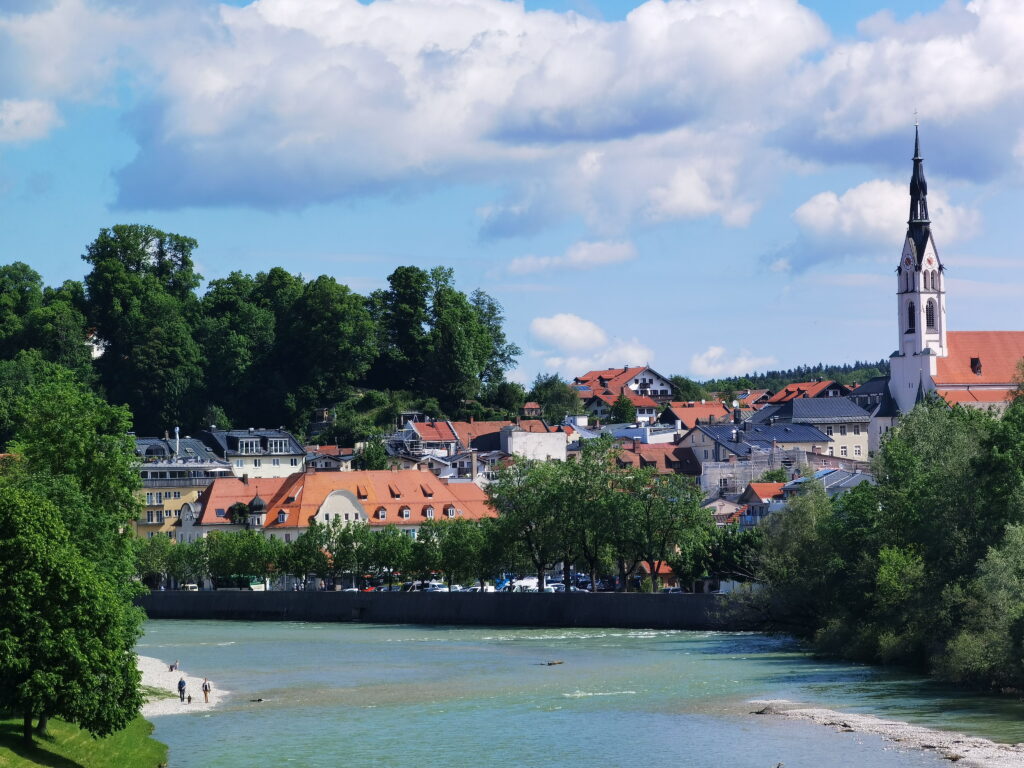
801,389
610,378
690,412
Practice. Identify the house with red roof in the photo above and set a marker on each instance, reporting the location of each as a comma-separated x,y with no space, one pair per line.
666,458
598,404
970,368
641,380
817,388
284,507
688,414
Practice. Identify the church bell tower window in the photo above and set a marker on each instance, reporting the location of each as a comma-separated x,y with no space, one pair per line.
929,315
911,319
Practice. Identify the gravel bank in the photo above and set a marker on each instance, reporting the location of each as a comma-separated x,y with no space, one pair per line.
155,674
968,751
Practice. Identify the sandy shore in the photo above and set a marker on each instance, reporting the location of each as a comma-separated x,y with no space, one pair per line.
968,751
155,674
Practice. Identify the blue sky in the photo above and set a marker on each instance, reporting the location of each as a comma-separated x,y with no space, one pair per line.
708,186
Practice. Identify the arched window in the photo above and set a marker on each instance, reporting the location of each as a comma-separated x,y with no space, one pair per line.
935,280
911,319
929,314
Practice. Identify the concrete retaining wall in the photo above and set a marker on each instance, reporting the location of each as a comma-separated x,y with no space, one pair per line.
658,611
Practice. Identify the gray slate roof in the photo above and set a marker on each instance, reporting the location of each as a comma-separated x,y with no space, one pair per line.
224,442
836,481
762,436
813,410
161,449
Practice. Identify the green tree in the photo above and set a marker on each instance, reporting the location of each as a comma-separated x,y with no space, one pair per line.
349,547
373,454
460,548
66,630
622,411
525,495
140,300
687,389
390,552
21,292
556,397
187,561
401,316
152,559
777,475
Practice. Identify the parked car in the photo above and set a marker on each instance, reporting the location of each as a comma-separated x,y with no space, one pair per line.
190,587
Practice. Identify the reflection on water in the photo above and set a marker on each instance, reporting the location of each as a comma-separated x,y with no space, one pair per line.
374,695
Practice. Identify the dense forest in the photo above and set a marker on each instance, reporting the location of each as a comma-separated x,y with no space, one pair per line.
270,349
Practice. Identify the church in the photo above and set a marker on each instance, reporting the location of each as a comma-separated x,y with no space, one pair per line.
971,368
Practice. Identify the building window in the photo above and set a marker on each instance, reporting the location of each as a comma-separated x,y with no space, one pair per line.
429,512
911,318
287,538
831,451
828,430
856,450
149,516
256,462
277,445
177,494
275,462
282,516
856,429
249,445
159,497
239,463
705,453
294,462
159,515
220,513
842,429
450,511
149,498
929,314
405,513
842,450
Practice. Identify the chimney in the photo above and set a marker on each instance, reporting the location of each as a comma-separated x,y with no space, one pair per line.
472,464
177,441
472,419
736,419
636,442
245,479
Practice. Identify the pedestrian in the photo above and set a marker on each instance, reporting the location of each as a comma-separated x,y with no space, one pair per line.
206,691
175,665
181,689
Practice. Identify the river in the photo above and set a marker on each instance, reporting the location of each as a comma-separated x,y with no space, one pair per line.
453,697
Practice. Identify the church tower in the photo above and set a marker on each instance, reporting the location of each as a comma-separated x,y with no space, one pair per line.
920,299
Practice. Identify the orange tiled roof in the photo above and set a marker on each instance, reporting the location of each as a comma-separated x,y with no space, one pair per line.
613,378
639,401
767,491
999,353
532,406
689,412
434,431
955,396
225,491
301,495
800,389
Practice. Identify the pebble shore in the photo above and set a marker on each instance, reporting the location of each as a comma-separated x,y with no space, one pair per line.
155,674
968,751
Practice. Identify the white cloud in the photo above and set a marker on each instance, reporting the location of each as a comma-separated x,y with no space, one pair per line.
875,212
581,345
713,363
27,120
582,255
568,332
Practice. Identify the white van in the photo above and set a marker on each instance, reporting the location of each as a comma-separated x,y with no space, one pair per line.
190,587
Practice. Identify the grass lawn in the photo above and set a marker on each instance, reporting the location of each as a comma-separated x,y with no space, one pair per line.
69,747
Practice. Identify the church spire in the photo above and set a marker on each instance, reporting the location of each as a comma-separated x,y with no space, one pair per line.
918,185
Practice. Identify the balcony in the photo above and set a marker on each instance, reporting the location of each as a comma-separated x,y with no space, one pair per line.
177,482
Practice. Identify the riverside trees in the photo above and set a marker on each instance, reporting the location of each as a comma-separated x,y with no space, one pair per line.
67,625
924,569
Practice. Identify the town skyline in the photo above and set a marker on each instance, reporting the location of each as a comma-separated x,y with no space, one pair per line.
640,212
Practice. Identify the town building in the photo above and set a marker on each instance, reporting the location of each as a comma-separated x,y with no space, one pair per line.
840,418
283,507
640,380
818,388
722,442
971,368
257,452
687,414
599,403
174,471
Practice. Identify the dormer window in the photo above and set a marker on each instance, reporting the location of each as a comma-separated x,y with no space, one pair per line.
395,492
976,366
450,511
249,445
361,492
405,513
277,445
429,512
382,514
282,516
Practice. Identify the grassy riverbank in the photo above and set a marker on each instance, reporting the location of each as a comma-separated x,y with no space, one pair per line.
68,746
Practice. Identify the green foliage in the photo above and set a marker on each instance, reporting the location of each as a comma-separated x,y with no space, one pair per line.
622,411
68,745
847,373
556,397
687,389
927,569
390,550
373,455
152,558
777,475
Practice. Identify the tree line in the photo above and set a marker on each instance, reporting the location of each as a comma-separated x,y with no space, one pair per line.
253,349
589,514
924,569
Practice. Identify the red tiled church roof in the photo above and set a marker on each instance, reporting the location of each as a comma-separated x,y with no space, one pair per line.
998,355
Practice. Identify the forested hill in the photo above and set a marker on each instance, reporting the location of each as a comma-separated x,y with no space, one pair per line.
848,373
252,350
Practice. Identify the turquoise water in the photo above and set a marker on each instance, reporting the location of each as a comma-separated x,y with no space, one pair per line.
374,695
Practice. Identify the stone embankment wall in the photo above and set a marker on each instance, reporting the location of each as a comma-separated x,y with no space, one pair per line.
642,611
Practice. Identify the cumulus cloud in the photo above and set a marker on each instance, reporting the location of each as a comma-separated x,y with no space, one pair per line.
714,363
582,255
868,219
26,120
581,345
685,109
568,332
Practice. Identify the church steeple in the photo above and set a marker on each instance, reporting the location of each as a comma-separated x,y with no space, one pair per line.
920,291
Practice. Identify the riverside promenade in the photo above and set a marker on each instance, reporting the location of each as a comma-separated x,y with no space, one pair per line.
603,609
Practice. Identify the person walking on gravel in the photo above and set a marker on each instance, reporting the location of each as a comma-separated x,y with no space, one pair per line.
206,691
181,689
